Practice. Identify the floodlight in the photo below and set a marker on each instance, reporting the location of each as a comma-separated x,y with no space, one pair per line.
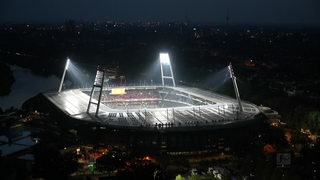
164,58
64,74
98,84
235,86
67,64
165,61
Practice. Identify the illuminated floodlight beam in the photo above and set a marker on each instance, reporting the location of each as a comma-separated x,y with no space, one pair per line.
165,61
64,74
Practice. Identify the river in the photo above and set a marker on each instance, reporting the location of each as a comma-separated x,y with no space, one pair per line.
27,85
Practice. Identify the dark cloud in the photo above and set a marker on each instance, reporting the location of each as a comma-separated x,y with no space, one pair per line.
240,11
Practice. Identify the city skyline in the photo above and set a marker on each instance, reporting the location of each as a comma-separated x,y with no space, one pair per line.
207,11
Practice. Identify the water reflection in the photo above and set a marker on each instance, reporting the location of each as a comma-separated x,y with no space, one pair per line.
26,85
16,141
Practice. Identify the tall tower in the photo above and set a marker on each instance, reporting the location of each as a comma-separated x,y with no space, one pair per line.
166,64
98,84
227,17
235,86
64,74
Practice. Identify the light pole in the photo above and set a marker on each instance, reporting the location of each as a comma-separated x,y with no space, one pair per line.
64,74
235,86
165,61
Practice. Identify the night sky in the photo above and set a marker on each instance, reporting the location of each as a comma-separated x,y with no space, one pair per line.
215,11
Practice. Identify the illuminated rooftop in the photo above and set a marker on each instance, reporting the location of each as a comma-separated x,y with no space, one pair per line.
210,110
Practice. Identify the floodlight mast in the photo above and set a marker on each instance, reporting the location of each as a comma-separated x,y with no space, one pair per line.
235,86
64,74
165,60
98,83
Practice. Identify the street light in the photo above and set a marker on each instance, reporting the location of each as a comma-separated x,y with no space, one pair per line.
64,73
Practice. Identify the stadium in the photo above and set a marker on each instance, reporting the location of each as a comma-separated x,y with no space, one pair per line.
164,108
160,116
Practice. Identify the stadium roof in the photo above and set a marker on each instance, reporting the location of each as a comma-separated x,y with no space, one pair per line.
221,111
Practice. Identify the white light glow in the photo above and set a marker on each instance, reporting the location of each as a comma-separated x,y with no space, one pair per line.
67,64
64,74
164,58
